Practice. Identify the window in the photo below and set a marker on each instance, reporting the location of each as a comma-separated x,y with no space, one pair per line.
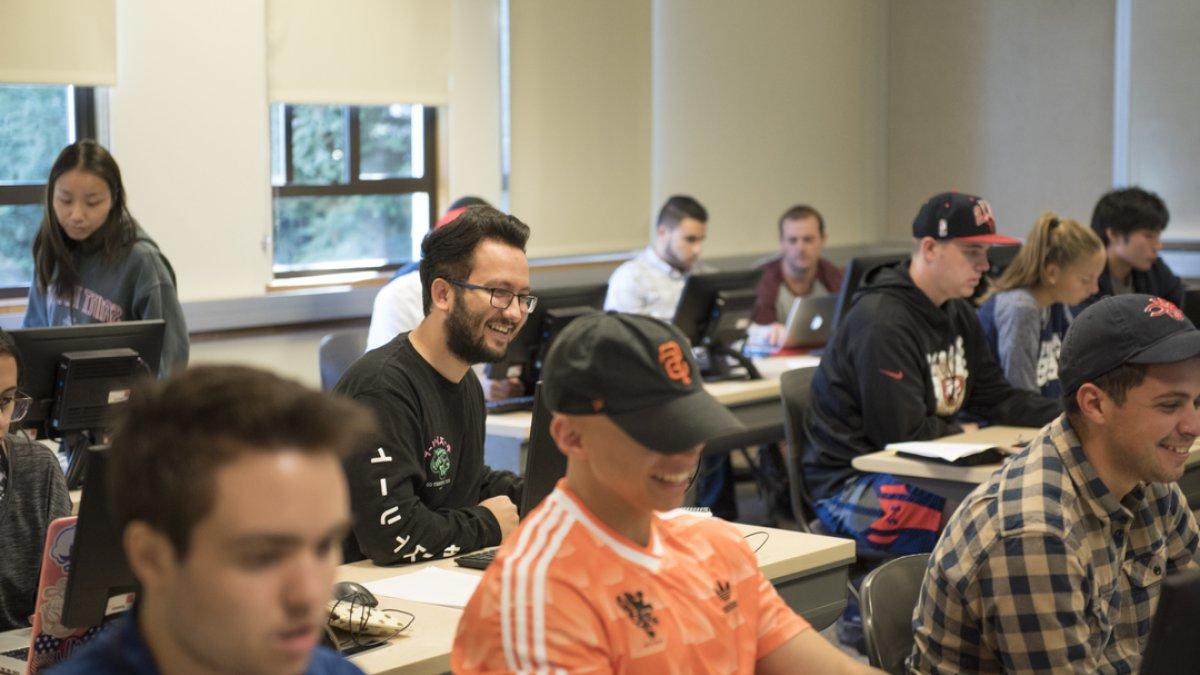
36,123
353,186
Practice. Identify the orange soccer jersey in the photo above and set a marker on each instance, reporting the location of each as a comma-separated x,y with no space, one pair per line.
568,594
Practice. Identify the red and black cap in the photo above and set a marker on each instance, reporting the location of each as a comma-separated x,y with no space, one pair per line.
638,371
955,215
1122,329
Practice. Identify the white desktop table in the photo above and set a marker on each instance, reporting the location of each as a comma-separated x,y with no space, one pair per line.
809,571
956,482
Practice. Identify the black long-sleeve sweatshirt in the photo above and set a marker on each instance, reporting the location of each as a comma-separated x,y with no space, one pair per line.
899,369
415,492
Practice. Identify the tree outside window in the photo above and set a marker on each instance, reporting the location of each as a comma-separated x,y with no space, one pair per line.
36,123
353,186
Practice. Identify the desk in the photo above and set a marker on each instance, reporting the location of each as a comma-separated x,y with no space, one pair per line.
956,482
809,571
755,402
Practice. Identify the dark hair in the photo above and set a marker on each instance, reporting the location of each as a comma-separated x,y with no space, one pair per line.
1128,210
8,347
467,200
679,207
799,212
51,248
174,436
1116,383
447,252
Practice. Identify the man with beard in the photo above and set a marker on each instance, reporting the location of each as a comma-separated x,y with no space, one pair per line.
652,281
422,490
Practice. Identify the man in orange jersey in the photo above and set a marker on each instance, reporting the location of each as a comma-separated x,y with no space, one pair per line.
603,575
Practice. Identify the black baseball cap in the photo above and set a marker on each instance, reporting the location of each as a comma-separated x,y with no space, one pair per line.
638,371
956,215
1124,329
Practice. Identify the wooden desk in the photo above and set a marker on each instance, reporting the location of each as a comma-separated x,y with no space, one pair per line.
755,402
956,482
809,570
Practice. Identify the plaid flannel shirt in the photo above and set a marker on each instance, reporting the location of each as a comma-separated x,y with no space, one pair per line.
1042,569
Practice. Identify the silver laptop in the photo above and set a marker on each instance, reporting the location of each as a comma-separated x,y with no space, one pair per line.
809,321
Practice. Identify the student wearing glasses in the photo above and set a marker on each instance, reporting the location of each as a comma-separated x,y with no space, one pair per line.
33,492
421,489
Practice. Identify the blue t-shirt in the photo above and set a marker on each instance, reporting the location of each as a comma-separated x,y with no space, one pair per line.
120,650
1026,339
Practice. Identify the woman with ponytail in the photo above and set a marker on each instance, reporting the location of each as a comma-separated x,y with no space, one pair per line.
93,263
1025,319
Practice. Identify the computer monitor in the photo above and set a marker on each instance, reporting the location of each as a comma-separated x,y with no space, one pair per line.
856,271
79,375
544,462
714,312
556,307
100,573
1172,646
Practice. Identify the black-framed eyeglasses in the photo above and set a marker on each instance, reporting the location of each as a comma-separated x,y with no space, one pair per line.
15,406
501,298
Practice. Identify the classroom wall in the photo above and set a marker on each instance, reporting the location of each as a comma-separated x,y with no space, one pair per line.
1011,100
1164,136
759,106
581,124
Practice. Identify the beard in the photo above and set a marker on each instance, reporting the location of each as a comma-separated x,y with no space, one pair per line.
464,336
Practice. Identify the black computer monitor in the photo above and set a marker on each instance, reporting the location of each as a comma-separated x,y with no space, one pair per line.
714,312
78,376
556,307
1172,646
99,569
544,462
856,271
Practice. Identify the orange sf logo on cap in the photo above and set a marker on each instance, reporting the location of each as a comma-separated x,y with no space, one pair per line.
1158,307
674,364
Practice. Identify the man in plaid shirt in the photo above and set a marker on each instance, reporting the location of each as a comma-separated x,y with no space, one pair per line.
1055,563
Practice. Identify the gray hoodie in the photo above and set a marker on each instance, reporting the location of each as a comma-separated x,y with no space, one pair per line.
139,286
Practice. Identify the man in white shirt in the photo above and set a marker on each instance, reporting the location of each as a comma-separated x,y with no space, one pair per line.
651,282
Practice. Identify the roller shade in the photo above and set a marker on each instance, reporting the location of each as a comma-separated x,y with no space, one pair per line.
58,42
365,52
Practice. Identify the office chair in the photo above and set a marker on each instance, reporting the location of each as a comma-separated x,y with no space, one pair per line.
337,351
889,596
795,387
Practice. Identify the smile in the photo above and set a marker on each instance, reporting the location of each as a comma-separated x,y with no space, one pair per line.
502,328
673,478
1177,449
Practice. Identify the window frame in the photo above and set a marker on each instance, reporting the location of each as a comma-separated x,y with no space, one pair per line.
353,185
82,120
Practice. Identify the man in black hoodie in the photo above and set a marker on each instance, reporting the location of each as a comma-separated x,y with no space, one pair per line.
908,360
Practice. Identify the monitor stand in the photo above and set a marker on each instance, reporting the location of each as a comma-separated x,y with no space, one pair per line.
718,356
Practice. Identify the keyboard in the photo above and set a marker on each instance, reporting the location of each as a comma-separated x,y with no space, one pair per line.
478,560
509,404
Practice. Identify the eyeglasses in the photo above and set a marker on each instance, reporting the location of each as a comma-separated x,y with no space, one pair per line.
501,298
15,406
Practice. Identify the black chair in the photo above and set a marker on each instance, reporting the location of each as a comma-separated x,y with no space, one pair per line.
795,388
337,351
889,596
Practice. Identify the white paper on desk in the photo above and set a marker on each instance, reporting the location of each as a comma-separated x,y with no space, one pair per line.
950,452
432,585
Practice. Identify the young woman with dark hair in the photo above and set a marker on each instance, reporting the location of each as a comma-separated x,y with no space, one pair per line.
93,263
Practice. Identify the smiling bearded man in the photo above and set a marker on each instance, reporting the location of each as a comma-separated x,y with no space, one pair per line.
421,489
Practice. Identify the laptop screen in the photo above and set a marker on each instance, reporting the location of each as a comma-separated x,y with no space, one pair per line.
544,464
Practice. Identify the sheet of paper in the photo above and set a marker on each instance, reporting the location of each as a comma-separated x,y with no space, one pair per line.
432,585
949,452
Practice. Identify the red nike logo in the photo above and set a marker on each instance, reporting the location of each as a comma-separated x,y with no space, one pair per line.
896,375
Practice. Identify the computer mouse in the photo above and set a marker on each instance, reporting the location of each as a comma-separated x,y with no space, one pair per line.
352,591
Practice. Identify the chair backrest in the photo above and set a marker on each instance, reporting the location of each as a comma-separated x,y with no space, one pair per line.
337,351
794,388
888,597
